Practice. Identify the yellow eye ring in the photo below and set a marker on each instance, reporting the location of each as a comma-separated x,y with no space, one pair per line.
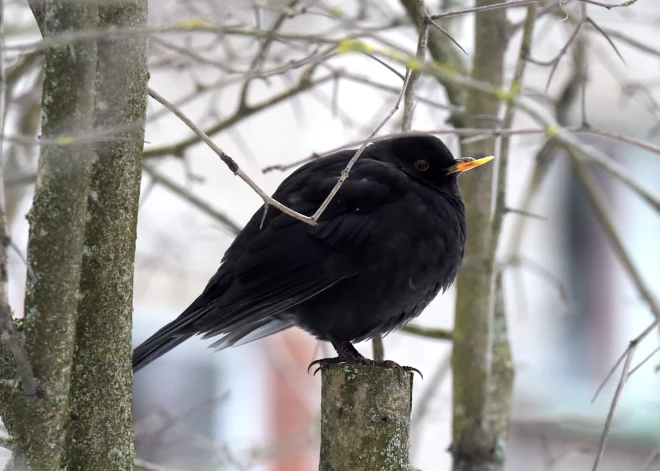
422,165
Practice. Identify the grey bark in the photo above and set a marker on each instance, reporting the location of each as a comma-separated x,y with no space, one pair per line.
442,50
101,433
365,418
477,445
57,224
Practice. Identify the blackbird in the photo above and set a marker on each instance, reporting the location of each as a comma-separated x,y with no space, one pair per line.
390,240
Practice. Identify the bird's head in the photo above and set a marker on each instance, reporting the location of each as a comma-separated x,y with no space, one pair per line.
426,158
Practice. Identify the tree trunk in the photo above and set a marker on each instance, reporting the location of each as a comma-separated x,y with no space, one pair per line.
365,418
57,227
101,432
476,444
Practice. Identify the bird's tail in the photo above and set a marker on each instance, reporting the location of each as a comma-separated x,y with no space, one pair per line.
171,336
160,343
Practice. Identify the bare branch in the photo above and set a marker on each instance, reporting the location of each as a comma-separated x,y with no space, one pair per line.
641,46
481,9
650,328
647,358
347,170
505,142
177,149
427,332
441,49
615,400
415,73
480,409
256,62
231,164
609,6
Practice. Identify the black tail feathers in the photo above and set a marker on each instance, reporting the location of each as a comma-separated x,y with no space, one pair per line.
153,349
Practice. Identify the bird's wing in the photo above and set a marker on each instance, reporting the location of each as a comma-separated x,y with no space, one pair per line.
280,262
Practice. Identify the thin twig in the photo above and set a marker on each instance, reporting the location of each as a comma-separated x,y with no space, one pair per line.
345,173
256,62
554,62
457,132
231,164
509,113
606,36
547,154
609,6
641,363
599,158
177,149
381,86
496,6
645,47
415,73
615,400
427,332
650,328
446,33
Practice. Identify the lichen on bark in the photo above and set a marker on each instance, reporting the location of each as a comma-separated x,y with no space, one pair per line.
475,442
100,435
365,418
57,222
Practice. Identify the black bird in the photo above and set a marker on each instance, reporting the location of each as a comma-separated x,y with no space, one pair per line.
390,240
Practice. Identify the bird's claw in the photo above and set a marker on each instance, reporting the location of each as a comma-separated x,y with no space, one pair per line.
392,364
323,362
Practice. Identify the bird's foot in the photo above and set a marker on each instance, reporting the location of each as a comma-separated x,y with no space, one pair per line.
325,362
392,364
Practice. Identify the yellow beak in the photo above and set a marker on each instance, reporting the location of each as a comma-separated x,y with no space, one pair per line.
467,163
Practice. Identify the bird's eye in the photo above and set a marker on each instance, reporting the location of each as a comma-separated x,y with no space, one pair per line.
422,165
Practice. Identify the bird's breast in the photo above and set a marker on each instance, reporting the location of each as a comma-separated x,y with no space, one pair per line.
415,251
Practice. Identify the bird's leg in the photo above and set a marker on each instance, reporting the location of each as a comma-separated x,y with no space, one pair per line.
347,353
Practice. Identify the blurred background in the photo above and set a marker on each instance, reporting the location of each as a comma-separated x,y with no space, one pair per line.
571,309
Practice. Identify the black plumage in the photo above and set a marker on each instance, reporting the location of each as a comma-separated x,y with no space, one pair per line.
390,240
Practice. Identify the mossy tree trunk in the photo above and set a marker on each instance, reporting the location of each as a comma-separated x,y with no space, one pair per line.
101,432
77,329
57,229
365,418
478,440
